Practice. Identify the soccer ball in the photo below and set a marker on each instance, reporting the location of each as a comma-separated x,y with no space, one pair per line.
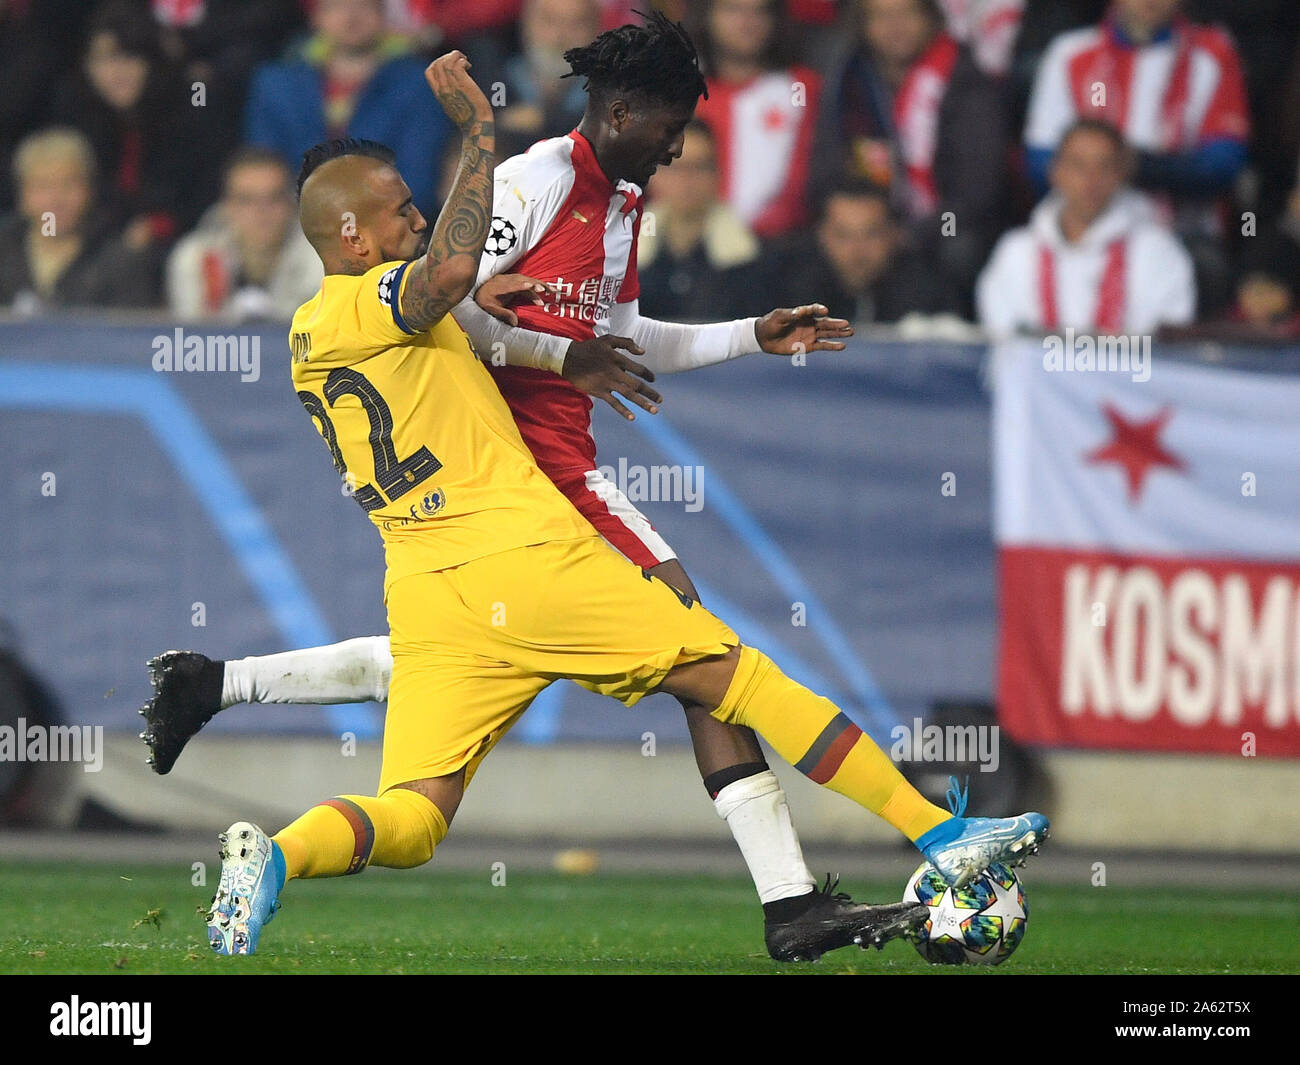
501,236
979,924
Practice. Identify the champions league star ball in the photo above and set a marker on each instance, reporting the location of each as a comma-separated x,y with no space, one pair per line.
501,236
979,924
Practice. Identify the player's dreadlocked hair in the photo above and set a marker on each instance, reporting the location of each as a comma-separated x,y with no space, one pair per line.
656,60
313,158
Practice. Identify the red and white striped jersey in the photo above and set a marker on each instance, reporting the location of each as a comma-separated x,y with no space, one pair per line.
764,132
1127,274
1178,92
989,28
558,218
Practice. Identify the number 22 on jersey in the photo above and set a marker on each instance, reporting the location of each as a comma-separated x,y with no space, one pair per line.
394,477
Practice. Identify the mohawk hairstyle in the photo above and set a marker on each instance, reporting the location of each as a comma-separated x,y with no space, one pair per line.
314,158
657,60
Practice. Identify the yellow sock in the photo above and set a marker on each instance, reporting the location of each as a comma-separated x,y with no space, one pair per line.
398,830
812,734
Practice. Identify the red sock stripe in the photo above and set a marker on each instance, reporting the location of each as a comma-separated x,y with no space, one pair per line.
827,754
834,758
363,832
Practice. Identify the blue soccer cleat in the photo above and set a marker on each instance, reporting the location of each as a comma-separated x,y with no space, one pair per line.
983,841
252,873
963,847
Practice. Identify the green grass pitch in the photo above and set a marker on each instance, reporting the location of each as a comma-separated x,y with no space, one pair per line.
102,919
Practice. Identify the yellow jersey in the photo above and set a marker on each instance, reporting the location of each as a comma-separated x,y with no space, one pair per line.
418,429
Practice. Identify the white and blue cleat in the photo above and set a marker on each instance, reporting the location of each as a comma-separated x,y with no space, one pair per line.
252,873
984,841
961,848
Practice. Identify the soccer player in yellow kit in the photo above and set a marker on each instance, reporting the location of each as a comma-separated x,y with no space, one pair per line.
495,585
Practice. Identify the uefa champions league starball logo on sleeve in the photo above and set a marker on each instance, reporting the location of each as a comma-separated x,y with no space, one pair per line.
386,286
502,236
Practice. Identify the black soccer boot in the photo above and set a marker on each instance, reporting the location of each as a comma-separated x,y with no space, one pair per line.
187,695
833,920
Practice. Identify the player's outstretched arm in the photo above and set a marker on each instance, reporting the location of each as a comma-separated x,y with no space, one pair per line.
446,273
674,348
797,330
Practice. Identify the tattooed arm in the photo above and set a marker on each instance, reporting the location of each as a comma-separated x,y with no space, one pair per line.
447,272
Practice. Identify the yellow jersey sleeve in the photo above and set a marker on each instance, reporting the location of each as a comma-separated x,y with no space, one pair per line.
379,303
353,319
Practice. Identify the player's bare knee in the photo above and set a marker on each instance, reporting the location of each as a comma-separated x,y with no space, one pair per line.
703,683
444,792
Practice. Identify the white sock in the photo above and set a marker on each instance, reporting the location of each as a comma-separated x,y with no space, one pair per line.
757,814
353,671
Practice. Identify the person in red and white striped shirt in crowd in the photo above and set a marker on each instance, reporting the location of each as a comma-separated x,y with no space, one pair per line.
907,109
989,28
1094,257
1173,88
762,113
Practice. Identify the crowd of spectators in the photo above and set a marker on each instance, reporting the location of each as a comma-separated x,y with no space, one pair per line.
1028,165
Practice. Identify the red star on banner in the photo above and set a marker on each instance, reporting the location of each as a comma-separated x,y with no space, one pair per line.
1136,447
774,119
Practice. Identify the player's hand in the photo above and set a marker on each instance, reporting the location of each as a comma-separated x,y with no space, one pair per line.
600,369
497,293
459,95
793,331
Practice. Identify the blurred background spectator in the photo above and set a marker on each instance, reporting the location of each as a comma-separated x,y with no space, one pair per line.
1266,298
900,110
1175,90
216,45
952,107
248,259
862,270
537,103
1265,307
698,261
135,110
1265,34
40,38
64,251
1040,24
351,77
762,109
989,28
1094,257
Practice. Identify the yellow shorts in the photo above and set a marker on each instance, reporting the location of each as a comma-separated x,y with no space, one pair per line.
474,645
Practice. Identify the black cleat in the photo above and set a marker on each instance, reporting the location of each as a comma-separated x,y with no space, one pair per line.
833,920
187,694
